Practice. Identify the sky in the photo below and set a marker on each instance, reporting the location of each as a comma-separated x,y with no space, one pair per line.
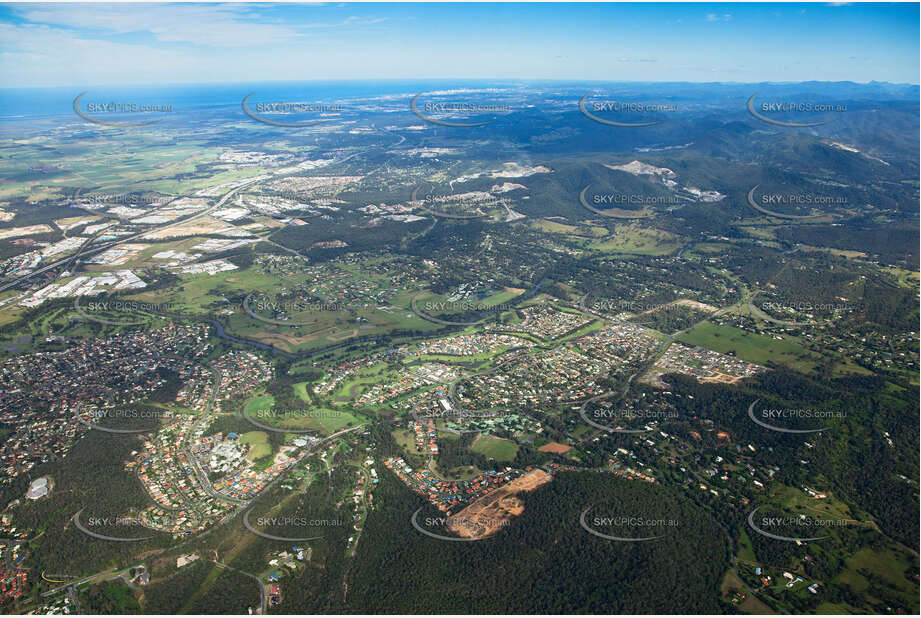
124,44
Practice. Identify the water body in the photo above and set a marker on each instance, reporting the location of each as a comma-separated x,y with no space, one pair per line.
20,103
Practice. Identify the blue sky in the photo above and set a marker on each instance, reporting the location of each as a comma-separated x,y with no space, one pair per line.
108,44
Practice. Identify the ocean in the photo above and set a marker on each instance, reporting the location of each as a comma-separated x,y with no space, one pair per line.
19,103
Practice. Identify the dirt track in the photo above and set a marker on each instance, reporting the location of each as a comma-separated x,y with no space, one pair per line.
494,510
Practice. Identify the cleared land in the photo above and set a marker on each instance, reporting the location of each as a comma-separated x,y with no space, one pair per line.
754,348
555,448
499,449
639,241
491,512
259,444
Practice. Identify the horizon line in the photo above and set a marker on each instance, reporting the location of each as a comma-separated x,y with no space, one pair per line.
463,79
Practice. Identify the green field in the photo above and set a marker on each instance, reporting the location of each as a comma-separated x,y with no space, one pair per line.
259,444
889,564
300,391
199,294
799,502
260,402
835,608
633,240
328,421
321,420
705,248
751,604
406,440
501,296
746,551
350,387
754,348
456,474
572,230
499,449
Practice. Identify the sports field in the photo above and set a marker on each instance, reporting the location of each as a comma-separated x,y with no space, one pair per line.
499,449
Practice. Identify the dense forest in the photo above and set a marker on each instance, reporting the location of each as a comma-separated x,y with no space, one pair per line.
544,562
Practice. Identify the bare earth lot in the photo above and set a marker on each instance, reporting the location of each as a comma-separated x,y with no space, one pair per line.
488,514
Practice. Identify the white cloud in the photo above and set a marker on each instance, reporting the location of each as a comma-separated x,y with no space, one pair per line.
352,21
211,25
42,55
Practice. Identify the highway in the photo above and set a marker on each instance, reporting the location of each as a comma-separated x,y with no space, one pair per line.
103,247
99,249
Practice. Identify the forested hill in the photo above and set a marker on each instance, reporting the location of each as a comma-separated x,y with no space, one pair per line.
544,562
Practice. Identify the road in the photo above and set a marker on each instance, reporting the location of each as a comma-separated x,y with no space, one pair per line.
99,249
310,451
263,598
103,247
663,347
205,419
127,239
82,251
83,580
117,572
